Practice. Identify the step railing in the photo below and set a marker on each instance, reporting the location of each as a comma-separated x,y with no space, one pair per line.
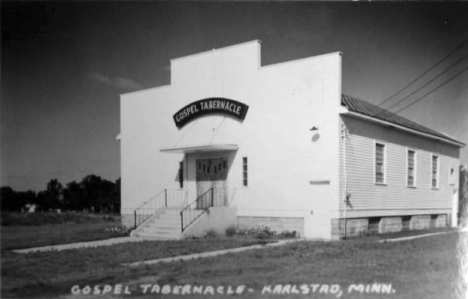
163,199
196,209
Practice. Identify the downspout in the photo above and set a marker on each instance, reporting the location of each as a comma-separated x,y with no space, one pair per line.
345,180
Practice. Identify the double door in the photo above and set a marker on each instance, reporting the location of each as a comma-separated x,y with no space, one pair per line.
212,173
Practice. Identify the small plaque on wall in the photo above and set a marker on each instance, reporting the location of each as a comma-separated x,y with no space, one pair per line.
322,182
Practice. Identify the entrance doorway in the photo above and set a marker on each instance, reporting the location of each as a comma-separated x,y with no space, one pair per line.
319,218
212,173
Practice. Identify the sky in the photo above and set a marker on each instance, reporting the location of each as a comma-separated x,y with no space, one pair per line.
64,65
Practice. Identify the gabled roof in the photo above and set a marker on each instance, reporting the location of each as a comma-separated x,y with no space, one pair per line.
370,110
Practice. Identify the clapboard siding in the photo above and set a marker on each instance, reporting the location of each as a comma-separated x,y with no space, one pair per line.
371,199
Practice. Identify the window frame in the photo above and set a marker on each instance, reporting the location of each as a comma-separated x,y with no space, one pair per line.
437,172
245,171
415,167
384,163
181,174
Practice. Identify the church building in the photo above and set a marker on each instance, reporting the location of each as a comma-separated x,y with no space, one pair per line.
232,143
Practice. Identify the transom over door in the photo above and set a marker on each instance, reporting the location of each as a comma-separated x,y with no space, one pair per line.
212,173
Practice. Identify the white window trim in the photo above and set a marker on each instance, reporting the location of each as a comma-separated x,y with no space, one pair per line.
415,167
438,171
384,163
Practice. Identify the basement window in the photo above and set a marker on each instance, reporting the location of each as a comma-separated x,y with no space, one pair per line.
405,225
374,225
434,221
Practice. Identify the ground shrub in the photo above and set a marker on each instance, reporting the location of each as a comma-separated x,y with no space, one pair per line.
260,232
231,231
119,229
288,234
211,234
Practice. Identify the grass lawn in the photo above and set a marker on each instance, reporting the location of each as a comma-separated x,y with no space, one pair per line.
30,275
395,235
23,230
16,237
422,268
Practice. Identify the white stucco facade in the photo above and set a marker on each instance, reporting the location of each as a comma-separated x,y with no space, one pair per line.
290,139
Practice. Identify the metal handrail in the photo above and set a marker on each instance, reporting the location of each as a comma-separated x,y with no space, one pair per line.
152,198
156,203
146,210
193,213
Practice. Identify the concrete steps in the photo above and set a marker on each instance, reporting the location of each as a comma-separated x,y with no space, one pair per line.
165,226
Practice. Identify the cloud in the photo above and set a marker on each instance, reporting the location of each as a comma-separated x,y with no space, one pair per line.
121,83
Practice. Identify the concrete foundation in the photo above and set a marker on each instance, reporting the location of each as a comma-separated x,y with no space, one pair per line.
390,224
216,220
358,226
420,222
354,227
442,221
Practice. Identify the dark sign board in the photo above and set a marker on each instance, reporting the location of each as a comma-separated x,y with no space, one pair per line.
210,106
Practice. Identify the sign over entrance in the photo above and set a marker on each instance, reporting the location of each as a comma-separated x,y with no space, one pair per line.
210,106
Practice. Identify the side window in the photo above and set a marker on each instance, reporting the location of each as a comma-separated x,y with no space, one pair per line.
181,174
380,163
411,168
245,178
435,171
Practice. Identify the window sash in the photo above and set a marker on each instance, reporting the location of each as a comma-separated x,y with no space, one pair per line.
379,163
435,171
245,180
411,168
181,174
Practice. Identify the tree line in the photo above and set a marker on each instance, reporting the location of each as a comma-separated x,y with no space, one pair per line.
92,194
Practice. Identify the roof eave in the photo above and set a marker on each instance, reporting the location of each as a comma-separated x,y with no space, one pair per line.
389,124
204,148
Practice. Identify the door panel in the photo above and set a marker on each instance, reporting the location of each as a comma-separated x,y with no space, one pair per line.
212,173
319,219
